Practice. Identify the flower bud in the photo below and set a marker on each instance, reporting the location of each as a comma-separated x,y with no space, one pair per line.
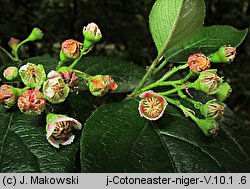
213,109
224,91
225,54
208,81
8,96
59,129
99,85
13,42
71,49
92,33
36,34
55,90
198,62
32,75
152,105
32,102
209,126
10,73
69,77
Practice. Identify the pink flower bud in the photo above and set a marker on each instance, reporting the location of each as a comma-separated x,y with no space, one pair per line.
71,49
92,33
10,73
32,102
198,62
152,105
13,42
7,96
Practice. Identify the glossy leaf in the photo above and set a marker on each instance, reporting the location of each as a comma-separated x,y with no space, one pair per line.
116,139
24,148
125,74
173,21
207,41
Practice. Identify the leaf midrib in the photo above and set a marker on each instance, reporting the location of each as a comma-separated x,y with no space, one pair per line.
5,135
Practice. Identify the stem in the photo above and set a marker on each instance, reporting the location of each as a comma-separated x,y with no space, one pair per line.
174,70
184,109
18,46
176,89
21,91
7,53
148,74
167,83
84,51
194,102
83,74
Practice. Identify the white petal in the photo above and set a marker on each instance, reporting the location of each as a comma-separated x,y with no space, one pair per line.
54,142
24,67
51,128
49,92
52,74
53,81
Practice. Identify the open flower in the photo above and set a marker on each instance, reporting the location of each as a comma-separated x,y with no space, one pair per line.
69,77
213,109
198,62
54,89
208,81
8,96
99,85
152,105
59,129
92,33
32,102
32,75
71,49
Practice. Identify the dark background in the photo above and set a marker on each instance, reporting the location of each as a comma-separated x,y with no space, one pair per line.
124,25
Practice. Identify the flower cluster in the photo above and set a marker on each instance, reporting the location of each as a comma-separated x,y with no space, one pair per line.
40,89
152,104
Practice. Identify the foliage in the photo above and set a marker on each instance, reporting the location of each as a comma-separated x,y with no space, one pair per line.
175,128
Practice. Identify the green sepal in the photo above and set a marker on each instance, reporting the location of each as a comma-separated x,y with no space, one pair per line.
219,56
224,91
36,34
64,57
208,126
91,37
51,118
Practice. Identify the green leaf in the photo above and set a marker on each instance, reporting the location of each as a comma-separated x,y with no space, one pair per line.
125,74
49,63
173,21
116,139
24,148
207,41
